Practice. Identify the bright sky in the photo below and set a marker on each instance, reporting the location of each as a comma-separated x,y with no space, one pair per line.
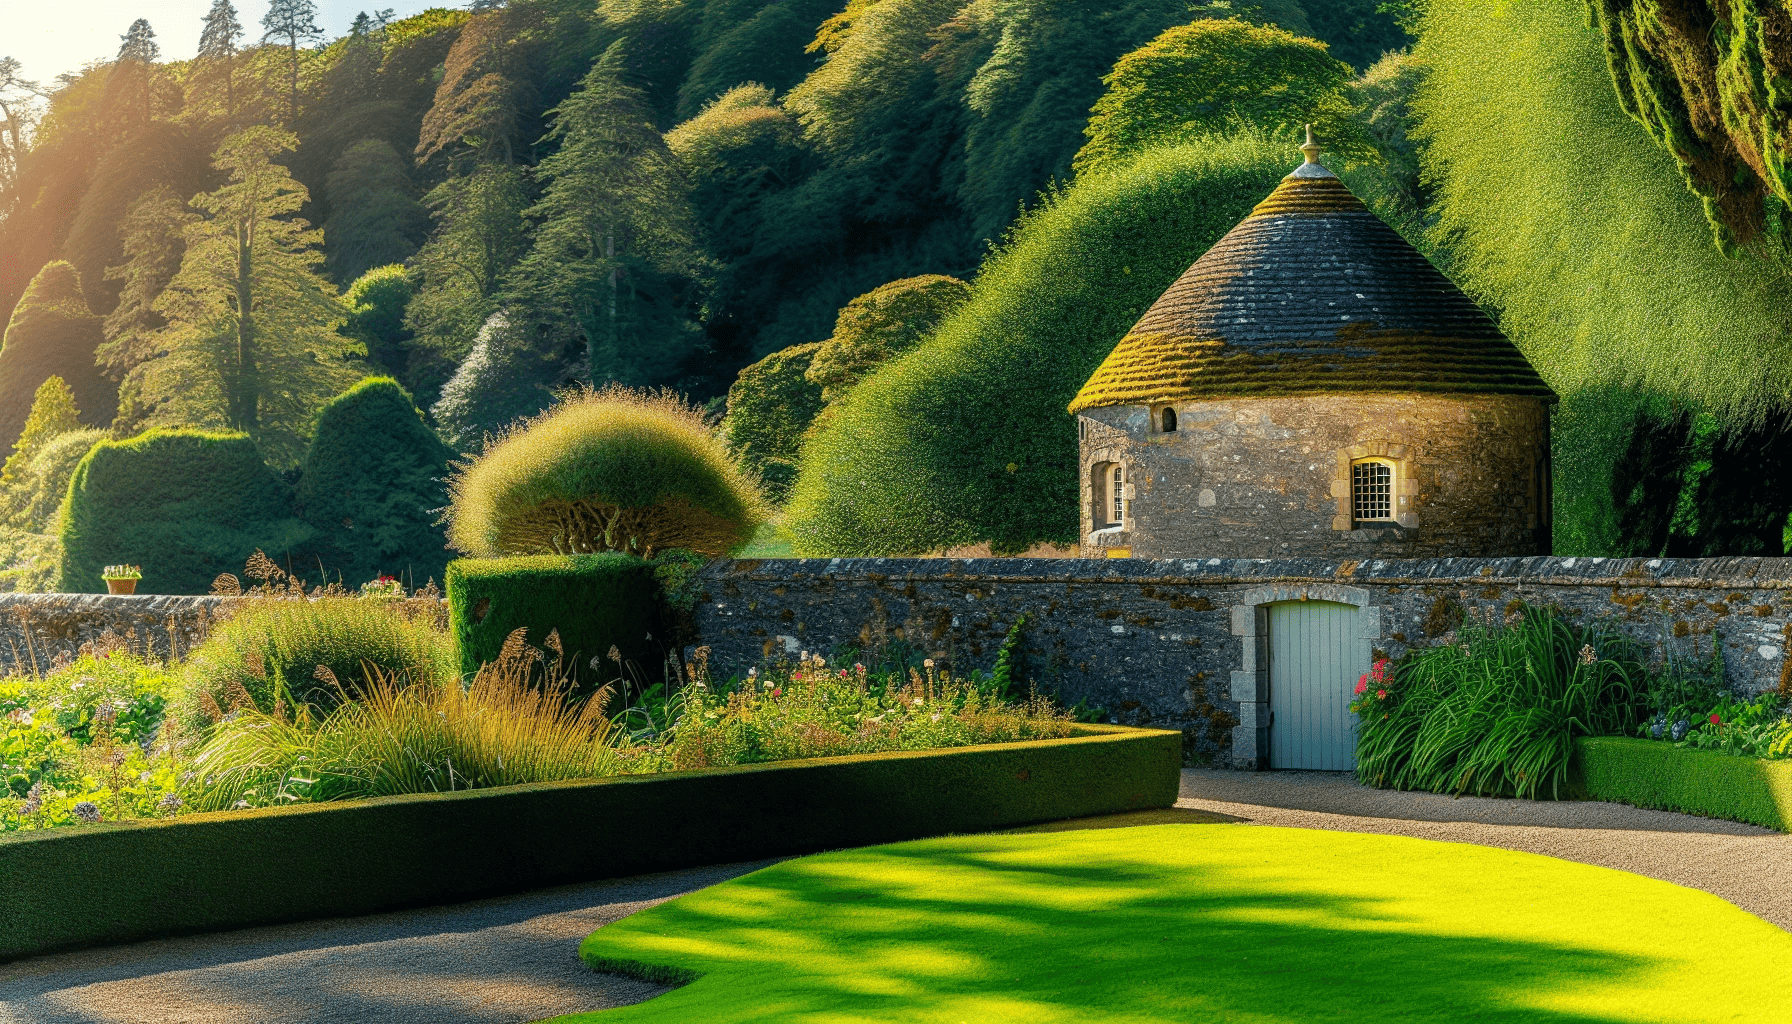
53,36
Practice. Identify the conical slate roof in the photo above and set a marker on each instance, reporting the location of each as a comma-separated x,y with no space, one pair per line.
1310,294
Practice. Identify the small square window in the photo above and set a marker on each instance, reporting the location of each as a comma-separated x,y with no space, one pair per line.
1372,492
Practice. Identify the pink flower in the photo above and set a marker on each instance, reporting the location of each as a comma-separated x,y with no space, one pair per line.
779,692
1381,695
1362,682
1716,720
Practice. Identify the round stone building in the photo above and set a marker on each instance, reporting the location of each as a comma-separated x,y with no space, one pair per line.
1313,386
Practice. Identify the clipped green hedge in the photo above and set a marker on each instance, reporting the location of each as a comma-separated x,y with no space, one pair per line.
595,601
1650,773
185,505
61,888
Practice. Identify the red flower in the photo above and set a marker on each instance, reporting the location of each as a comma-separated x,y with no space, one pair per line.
778,692
1381,695
1362,682
1716,720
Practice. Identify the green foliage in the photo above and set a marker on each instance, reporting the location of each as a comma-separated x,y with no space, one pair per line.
966,438
880,325
1359,32
53,414
375,219
594,602
251,341
1495,712
279,652
1215,76
1644,773
770,405
504,378
376,305
35,497
610,470
768,47
1709,80
185,505
373,487
1559,211
52,334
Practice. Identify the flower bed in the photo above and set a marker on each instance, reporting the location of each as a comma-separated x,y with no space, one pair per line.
117,882
1648,773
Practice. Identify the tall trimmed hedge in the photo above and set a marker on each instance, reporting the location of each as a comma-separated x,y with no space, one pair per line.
52,334
185,505
373,486
966,438
595,602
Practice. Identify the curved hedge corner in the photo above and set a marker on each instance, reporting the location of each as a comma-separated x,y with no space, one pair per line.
104,884
595,601
1650,773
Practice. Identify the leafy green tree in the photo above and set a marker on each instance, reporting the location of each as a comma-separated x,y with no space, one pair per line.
373,486
163,154
484,85
53,413
1360,32
218,49
480,234
770,47
35,498
19,108
615,236
1561,213
52,334
251,341
376,304
1214,76
153,243
375,218
880,325
503,379
295,21
770,406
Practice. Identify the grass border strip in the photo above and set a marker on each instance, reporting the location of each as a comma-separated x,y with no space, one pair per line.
1651,773
103,884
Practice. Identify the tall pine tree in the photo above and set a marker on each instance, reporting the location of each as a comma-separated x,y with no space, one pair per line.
218,48
132,80
294,22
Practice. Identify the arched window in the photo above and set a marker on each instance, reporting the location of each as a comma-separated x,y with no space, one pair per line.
1169,420
1372,491
1107,490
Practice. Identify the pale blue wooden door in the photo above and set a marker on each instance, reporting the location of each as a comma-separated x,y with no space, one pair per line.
1313,655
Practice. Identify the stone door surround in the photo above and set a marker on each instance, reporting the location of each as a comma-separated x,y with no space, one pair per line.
1250,681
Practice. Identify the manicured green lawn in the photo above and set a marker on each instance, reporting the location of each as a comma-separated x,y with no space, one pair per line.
1179,924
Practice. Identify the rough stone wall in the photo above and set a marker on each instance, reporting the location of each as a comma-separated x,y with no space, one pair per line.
42,626
1164,642
1269,478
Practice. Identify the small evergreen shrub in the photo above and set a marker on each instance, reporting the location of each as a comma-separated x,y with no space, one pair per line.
594,602
376,302
610,470
770,405
373,486
52,334
881,324
53,413
185,505
284,650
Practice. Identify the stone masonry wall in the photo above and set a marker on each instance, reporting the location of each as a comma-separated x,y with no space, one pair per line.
1177,643
41,626
1270,478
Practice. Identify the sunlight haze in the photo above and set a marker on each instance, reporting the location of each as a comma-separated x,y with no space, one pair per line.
50,39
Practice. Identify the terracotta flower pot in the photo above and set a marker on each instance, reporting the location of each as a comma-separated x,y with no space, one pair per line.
121,586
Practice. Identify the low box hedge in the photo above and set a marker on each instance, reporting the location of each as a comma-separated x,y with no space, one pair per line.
1651,773
595,602
104,884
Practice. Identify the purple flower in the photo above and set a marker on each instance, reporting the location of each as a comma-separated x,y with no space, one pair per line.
87,811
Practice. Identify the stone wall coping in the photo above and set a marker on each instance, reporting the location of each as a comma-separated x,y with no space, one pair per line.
148,603
1749,573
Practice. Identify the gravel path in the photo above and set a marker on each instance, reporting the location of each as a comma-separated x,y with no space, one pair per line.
513,960
1749,866
498,961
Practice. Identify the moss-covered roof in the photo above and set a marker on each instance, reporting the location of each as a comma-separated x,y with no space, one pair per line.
1310,294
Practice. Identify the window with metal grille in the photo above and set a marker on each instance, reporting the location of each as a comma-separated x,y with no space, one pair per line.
1372,491
1119,495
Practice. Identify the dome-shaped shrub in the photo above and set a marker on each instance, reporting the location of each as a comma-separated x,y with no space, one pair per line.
609,470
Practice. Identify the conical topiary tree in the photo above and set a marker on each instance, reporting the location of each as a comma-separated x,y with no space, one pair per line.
373,486
52,334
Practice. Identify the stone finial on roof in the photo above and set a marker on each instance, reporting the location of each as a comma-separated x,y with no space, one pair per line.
1312,168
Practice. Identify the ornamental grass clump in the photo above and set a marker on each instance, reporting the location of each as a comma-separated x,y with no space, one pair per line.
1495,712
514,723
606,470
